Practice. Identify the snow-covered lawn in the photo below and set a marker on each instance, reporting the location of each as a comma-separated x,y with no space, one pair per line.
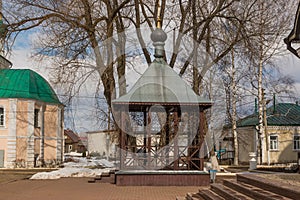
81,167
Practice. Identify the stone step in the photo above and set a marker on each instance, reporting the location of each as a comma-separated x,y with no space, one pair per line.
209,195
98,177
279,188
180,198
113,171
105,177
193,196
228,193
107,180
91,181
252,191
105,174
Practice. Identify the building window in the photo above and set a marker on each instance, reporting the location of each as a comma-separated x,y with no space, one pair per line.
296,142
1,116
36,117
273,142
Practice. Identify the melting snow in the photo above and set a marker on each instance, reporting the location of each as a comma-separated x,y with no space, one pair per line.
81,167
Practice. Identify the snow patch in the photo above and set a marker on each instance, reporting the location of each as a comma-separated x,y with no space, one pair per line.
80,167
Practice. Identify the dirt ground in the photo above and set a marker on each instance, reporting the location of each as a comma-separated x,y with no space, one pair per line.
8,175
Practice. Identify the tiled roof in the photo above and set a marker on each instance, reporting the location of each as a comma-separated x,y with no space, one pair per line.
285,114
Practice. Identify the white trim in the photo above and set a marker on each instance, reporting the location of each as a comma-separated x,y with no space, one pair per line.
285,128
51,138
30,134
271,142
59,135
14,142
297,134
12,130
34,137
7,137
12,116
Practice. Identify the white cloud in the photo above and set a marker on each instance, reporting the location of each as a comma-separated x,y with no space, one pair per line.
290,65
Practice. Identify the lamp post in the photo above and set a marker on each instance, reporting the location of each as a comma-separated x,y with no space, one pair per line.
294,36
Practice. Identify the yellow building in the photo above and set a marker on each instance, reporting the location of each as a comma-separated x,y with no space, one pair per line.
31,121
280,142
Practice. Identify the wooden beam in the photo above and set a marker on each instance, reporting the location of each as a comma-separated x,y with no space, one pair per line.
122,139
176,150
149,138
201,136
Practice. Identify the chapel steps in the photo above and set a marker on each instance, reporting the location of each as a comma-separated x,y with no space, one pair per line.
245,187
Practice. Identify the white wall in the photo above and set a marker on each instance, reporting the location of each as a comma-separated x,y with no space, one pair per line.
100,142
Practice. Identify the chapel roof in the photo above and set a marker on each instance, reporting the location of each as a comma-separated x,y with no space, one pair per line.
26,84
160,84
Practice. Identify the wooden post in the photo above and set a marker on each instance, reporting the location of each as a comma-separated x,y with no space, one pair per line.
176,150
145,138
122,140
190,140
149,138
168,128
201,137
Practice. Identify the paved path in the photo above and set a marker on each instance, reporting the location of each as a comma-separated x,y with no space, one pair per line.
80,189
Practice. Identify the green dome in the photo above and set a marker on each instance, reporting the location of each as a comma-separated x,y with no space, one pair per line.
26,84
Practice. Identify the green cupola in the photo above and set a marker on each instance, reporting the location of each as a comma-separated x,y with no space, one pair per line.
26,84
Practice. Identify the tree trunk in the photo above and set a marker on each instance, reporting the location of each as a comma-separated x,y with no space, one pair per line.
260,114
234,99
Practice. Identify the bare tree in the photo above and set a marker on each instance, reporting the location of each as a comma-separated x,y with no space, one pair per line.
88,41
257,57
72,30
263,47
